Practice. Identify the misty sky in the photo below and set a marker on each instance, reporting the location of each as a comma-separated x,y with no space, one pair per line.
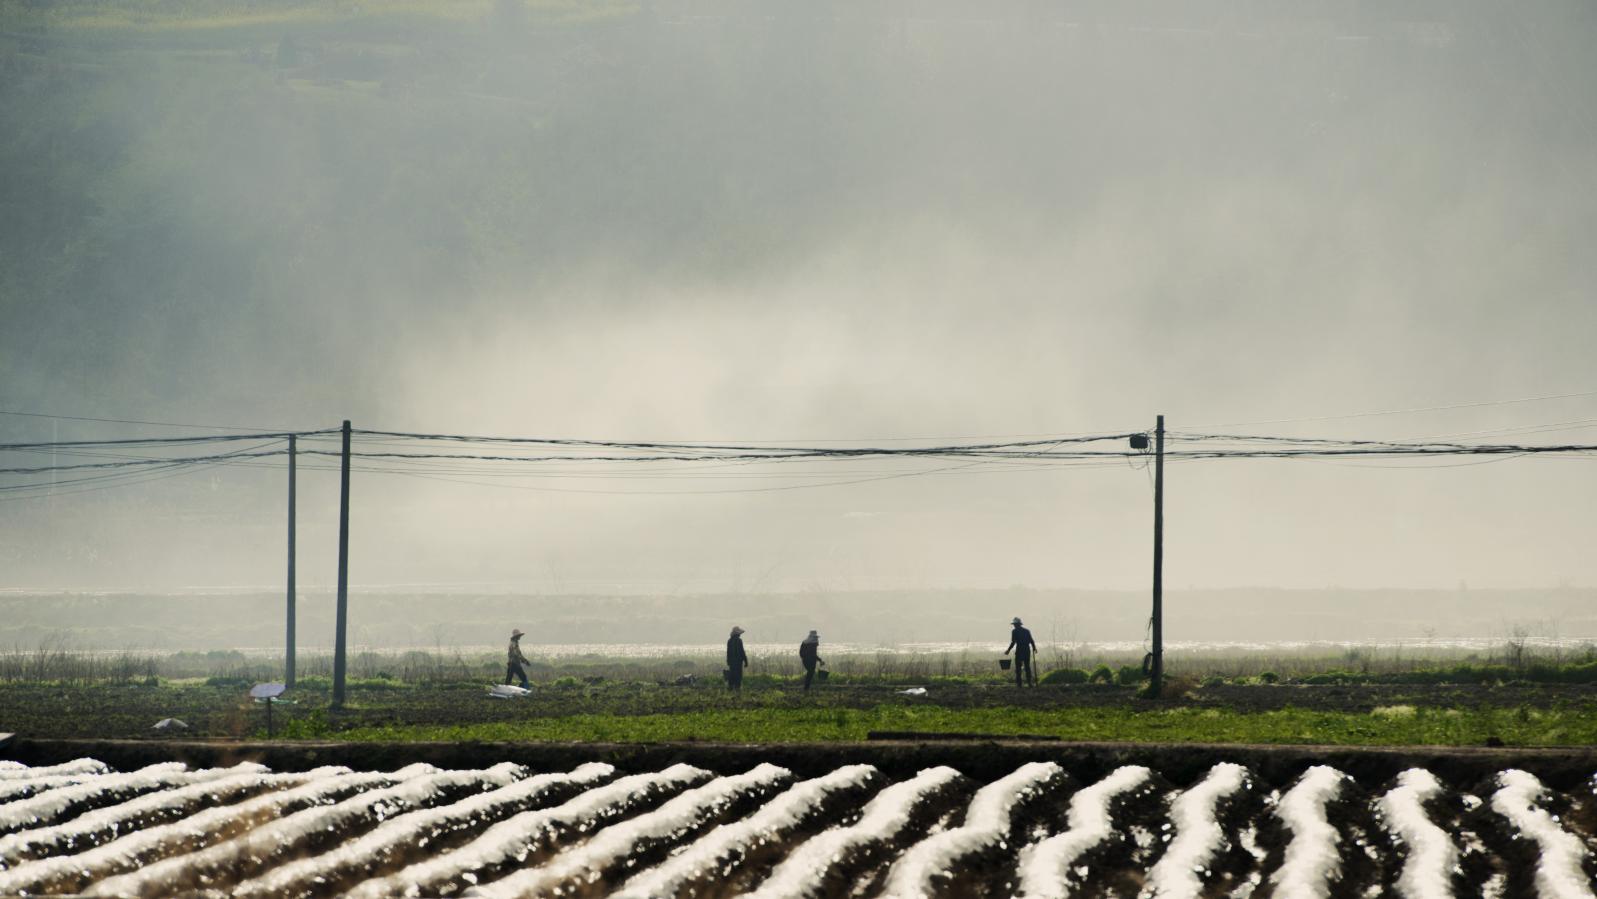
809,222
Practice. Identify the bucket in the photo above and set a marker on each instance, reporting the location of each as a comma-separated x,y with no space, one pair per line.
822,675
1003,664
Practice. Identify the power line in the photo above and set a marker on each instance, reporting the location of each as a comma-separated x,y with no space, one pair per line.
708,461
150,470
129,421
1420,465
144,463
1528,399
131,442
1289,450
1578,424
747,447
794,440
125,479
952,469
1275,447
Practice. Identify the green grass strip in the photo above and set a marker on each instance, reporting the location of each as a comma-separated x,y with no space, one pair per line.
1396,726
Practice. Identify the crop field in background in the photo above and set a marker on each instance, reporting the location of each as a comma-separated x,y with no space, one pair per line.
56,660
1514,715
1357,696
1036,831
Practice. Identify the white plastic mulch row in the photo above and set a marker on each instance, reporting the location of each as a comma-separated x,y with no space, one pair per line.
1559,874
714,850
513,839
1198,835
611,846
15,771
1312,858
1431,856
24,787
72,873
987,824
90,828
55,806
413,829
804,872
1045,867
418,785
248,832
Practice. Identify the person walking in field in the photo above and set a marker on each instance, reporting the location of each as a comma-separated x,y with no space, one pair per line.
810,656
736,660
515,660
1021,642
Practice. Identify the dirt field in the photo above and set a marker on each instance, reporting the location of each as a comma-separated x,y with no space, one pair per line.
1188,818
916,820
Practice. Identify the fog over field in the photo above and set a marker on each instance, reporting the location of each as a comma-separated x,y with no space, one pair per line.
1386,624
786,221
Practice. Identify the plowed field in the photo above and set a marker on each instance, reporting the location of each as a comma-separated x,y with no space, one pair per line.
1037,830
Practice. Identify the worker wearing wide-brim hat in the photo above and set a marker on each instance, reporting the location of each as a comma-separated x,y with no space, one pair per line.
1020,640
736,659
514,660
810,656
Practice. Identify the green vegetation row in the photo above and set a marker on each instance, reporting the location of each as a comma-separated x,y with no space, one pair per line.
1127,675
1536,673
1464,674
230,668
1396,725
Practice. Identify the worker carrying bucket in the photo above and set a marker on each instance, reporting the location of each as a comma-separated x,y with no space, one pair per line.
514,660
810,656
1024,646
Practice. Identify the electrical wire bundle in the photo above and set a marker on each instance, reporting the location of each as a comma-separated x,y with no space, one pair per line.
552,463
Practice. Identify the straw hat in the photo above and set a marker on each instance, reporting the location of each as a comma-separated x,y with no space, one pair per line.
1015,621
737,630
518,632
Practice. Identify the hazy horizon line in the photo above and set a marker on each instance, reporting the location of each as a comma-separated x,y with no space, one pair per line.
496,588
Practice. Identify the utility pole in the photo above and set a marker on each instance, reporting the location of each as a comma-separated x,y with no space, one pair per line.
288,658
1158,561
343,575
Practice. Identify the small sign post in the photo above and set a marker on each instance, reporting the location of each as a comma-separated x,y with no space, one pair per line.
268,694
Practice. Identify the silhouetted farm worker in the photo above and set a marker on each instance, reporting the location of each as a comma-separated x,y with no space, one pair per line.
810,656
1021,642
736,659
515,660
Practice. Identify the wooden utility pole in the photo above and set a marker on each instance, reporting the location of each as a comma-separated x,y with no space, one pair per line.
1158,561
288,658
343,575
